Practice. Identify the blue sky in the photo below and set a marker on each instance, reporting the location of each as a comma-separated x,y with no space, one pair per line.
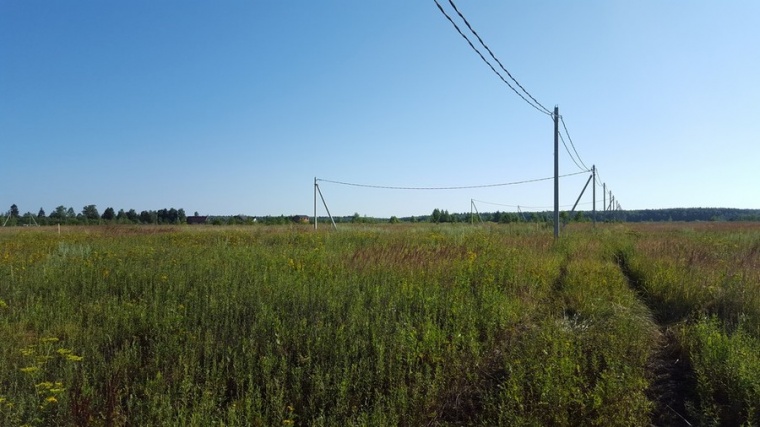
235,106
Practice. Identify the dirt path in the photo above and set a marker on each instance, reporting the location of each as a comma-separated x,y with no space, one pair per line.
673,386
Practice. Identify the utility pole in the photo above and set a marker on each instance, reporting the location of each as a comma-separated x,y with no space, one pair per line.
593,193
604,196
315,202
556,172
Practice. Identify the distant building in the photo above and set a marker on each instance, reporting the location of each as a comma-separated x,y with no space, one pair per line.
300,219
196,219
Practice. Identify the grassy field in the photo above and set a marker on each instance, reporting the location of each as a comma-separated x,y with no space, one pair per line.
381,325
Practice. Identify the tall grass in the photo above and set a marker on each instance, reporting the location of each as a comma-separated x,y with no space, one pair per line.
385,325
705,282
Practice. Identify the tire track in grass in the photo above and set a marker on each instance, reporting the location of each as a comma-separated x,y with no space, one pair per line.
673,386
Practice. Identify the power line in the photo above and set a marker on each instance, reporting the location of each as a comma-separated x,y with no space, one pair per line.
488,63
451,2
562,119
526,207
571,154
466,187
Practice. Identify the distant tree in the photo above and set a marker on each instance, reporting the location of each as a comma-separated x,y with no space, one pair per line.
121,216
90,212
196,213
59,213
108,214
70,213
435,216
132,216
394,220
181,216
145,217
162,216
356,218
14,211
173,216
41,213
507,218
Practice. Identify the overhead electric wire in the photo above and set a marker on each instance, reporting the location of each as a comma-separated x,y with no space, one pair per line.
533,102
465,187
526,207
571,154
488,63
598,178
451,2
562,119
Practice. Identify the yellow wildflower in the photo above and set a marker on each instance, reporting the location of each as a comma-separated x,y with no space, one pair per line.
45,384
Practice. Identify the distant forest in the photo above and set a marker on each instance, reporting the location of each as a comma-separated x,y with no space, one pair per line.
89,215
647,215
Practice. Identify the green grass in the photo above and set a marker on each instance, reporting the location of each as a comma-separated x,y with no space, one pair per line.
705,283
371,325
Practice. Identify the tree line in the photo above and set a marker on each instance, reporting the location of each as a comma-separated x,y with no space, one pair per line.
90,215
646,215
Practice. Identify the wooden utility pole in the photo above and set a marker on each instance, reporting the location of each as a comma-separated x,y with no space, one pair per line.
556,171
315,202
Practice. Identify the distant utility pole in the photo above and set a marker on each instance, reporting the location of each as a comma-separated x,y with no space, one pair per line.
556,172
593,192
604,196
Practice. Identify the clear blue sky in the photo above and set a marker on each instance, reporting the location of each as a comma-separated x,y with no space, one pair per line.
235,106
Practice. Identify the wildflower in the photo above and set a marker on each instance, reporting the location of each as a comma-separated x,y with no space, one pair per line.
30,369
46,385
63,351
49,339
51,399
74,358
42,359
